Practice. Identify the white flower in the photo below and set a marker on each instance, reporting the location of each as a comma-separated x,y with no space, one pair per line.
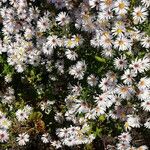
122,43
4,136
119,29
92,80
123,146
106,4
124,92
106,41
120,63
146,105
125,137
47,49
143,94
93,3
78,70
23,139
77,40
56,144
136,66
144,83
147,123
53,41
21,115
63,18
43,24
45,138
72,55
128,77
8,78
146,3
106,84
4,123
121,7
145,41
139,14
133,121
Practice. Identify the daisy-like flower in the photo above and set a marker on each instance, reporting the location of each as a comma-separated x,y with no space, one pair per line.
128,77
147,123
63,18
77,39
139,14
146,3
106,41
123,146
122,43
71,55
21,115
133,121
92,80
47,49
121,7
106,4
105,84
4,123
101,100
56,144
53,41
95,42
45,138
145,41
43,24
93,3
69,43
105,15
108,53
4,136
78,70
143,94
23,139
124,92
125,137
119,29
136,66
120,63
146,105
144,83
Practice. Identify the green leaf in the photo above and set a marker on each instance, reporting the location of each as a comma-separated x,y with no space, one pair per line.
98,132
100,59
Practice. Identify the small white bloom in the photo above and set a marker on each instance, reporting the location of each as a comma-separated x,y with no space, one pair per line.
23,139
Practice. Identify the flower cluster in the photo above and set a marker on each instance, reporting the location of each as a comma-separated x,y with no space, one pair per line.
75,74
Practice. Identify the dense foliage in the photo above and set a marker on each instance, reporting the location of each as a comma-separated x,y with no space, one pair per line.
74,74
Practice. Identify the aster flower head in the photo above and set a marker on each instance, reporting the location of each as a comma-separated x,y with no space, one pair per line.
22,139
63,18
139,14
121,7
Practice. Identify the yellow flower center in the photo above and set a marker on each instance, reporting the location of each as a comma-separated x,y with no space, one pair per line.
119,31
139,13
121,42
124,89
77,39
69,43
107,40
121,5
108,2
142,83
